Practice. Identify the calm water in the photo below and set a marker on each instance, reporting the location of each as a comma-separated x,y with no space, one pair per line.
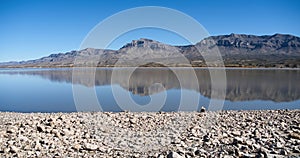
51,90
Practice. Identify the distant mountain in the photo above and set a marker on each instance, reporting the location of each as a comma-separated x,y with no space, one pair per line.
237,50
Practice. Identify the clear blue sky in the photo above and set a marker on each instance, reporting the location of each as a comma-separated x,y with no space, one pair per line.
31,29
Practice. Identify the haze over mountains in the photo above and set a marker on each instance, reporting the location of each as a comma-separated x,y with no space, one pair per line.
237,50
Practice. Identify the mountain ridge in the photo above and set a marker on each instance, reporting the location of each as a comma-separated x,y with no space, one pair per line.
237,50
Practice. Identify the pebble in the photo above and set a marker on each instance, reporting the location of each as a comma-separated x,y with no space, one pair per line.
89,146
14,149
295,135
174,155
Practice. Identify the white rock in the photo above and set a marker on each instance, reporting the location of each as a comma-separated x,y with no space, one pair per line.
77,146
21,137
14,149
174,155
236,133
89,146
12,129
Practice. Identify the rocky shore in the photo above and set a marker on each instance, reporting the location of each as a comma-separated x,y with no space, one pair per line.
274,133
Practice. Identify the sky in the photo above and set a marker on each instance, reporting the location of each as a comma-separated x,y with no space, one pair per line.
30,29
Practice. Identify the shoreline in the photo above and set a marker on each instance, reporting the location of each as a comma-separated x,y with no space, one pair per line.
179,67
250,133
134,112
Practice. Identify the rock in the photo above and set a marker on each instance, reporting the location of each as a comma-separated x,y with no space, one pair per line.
236,133
256,146
246,155
40,128
257,134
14,149
6,150
12,129
296,149
283,152
23,138
174,155
206,138
279,145
199,152
249,143
202,109
89,146
67,132
264,151
133,120
274,156
160,156
238,140
37,153
77,146
295,135
56,133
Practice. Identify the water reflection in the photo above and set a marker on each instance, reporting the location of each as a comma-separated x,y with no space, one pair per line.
242,84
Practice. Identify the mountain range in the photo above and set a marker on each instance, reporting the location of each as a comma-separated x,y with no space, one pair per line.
237,50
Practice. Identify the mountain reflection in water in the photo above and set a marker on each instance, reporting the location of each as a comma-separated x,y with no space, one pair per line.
278,85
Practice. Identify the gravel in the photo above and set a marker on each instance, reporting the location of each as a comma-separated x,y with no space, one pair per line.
270,133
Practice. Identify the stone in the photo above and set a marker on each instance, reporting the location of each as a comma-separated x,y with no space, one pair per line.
295,135
160,156
174,155
14,149
246,155
67,132
256,146
236,133
6,150
283,152
23,138
206,138
202,109
238,140
249,142
12,129
89,146
133,120
264,151
77,146
279,145
199,152
40,128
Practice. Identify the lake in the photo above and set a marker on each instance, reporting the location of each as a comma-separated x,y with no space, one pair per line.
153,89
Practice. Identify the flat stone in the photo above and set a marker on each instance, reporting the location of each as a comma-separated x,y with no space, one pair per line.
174,155
238,140
12,129
77,146
246,155
295,135
89,146
14,149
236,133
133,121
